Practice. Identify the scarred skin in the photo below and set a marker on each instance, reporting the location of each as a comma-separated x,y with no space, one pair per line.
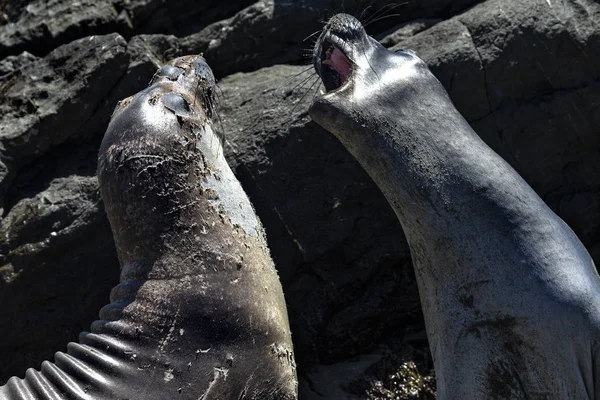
199,311
511,298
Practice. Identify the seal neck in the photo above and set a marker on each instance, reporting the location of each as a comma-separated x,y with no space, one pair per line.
456,199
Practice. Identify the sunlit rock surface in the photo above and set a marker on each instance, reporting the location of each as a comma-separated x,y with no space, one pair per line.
523,72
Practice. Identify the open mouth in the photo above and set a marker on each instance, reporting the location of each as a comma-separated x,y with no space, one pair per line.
335,67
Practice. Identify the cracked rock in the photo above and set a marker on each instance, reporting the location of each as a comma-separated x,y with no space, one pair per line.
523,72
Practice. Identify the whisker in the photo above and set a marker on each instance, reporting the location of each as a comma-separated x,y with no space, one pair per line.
221,131
317,90
220,93
362,14
303,96
294,77
312,34
325,21
303,82
380,18
301,72
368,62
382,10
385,9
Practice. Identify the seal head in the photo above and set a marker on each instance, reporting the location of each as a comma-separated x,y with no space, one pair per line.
363,80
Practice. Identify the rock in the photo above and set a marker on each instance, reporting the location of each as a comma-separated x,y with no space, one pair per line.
548,143
71,81
406,30
13,63
179,18
532,48
328,381
484,58
581,211
57,265
405,383
47,102
45,25
10,11
369,375
522,72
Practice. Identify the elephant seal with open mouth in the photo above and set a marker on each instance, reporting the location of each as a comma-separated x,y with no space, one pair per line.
199,312
511,298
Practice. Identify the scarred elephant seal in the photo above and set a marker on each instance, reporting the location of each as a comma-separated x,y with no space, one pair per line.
199,312
510,296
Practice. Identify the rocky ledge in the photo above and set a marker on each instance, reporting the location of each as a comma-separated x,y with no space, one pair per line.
524,73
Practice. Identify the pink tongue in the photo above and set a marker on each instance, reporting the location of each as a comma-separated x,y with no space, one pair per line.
340,63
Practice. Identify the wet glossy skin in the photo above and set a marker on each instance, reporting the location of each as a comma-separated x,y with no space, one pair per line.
510,296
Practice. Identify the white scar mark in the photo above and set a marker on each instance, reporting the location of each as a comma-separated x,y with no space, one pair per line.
217,373
163,343
169,375
549,3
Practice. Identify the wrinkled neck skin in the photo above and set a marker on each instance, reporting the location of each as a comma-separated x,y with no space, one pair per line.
500,276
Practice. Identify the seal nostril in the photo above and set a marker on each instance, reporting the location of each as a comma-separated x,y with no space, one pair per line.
170,72
176,103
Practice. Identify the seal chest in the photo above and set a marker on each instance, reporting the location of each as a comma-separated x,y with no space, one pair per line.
503,281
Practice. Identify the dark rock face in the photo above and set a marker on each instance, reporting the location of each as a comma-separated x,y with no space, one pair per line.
524,73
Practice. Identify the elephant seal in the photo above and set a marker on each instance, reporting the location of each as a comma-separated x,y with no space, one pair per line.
199,312
511,298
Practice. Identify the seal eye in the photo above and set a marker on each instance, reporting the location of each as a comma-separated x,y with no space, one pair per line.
337,67
406,51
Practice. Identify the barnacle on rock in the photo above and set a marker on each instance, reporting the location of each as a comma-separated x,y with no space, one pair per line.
406,383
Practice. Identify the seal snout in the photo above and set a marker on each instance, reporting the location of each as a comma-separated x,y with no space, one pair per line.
192,75
332,55
345,27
